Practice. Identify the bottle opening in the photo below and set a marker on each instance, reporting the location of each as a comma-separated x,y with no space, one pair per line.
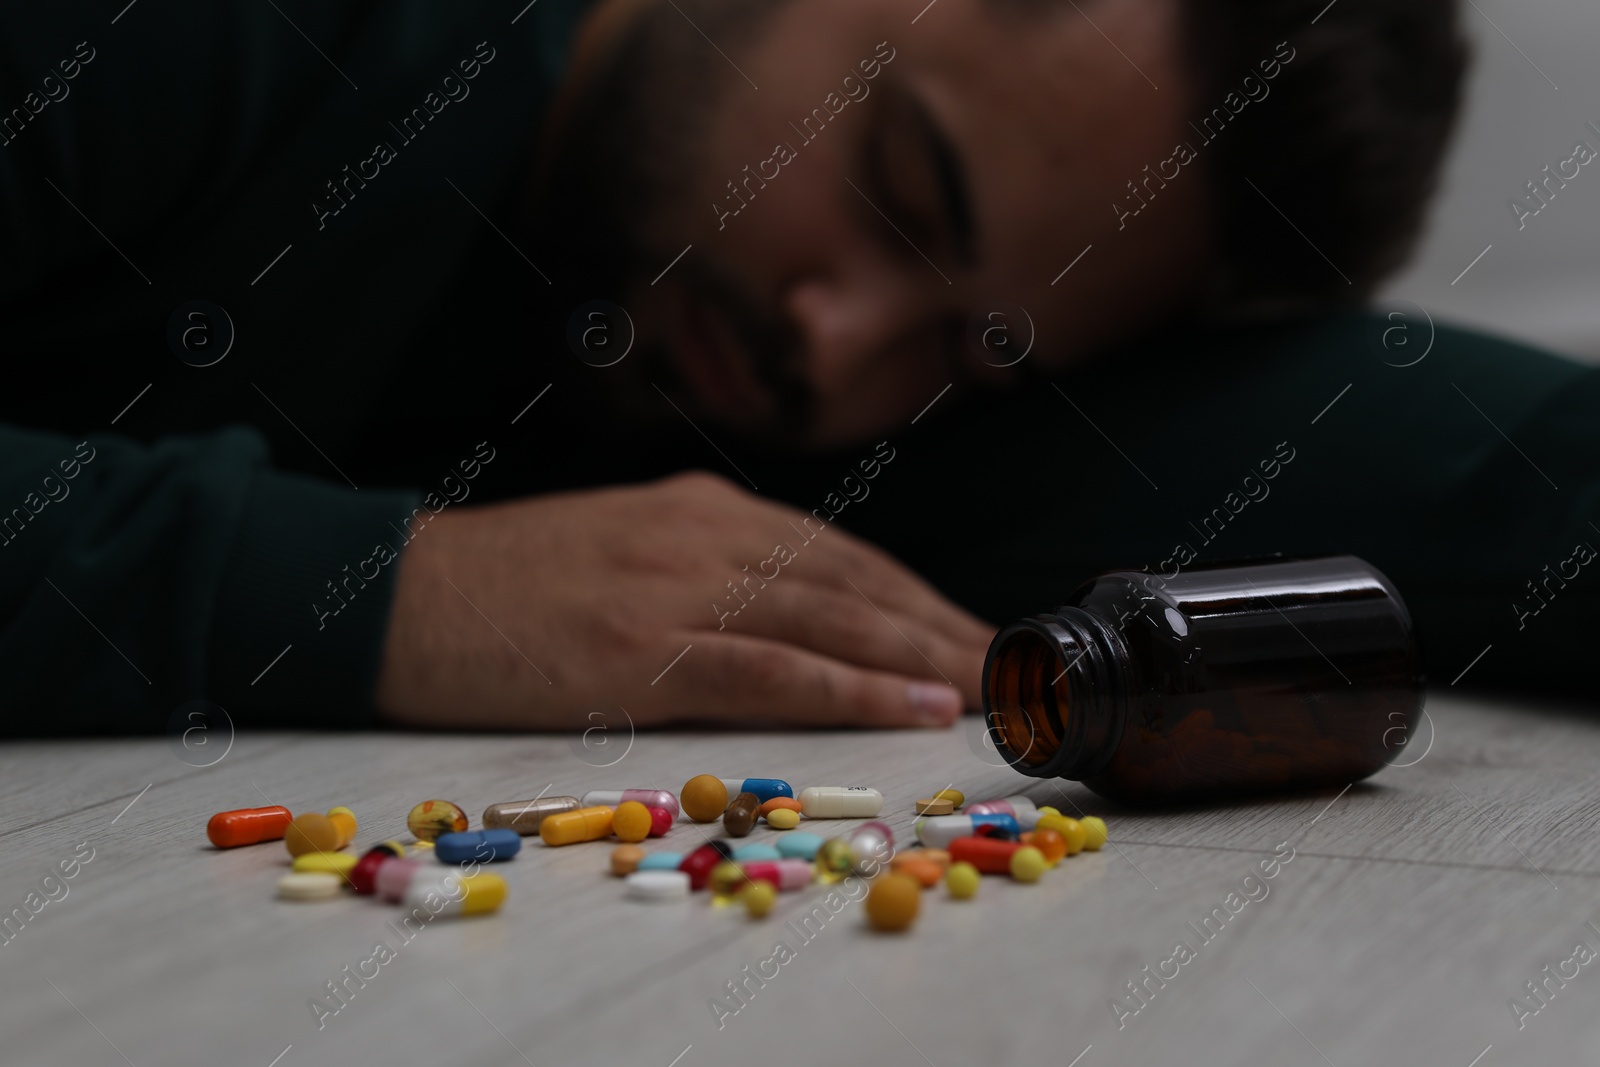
1027,698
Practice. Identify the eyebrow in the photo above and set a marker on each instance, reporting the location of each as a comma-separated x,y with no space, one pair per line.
954,192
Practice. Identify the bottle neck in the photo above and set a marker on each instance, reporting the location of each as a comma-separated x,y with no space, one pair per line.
1055,693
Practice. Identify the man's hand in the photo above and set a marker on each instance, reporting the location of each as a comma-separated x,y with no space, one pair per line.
528,614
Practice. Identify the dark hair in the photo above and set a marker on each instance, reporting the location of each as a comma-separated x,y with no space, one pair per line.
1347,147
628,137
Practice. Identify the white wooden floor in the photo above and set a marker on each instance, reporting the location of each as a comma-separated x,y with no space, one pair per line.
1415,907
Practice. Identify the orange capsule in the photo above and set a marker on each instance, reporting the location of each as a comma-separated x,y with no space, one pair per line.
248,826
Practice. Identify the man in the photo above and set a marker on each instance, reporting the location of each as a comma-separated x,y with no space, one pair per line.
796,222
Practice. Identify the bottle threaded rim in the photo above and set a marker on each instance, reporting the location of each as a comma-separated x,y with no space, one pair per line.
1053,694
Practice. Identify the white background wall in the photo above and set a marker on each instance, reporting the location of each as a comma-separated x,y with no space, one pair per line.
1540,284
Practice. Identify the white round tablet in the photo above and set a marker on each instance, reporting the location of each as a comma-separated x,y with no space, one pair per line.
657,885
309,885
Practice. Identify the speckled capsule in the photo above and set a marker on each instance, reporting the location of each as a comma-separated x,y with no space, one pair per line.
739,818
434,817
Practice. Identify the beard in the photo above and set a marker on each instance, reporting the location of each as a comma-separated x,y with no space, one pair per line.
617,168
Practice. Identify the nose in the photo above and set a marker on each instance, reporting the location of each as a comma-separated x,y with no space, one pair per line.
848,316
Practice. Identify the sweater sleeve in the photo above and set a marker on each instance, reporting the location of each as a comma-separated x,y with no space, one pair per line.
135,579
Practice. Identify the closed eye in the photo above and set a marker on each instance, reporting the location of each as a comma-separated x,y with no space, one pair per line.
917,177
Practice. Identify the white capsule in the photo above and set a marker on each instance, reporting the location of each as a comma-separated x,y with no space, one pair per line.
656,885
840,802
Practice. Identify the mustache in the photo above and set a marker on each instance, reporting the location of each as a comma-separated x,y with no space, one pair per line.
772,345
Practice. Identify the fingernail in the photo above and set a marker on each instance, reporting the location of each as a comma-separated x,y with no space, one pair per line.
934,704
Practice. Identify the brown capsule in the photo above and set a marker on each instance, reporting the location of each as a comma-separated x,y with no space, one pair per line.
524,816
739,818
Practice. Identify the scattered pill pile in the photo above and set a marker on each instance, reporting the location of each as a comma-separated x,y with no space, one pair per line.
959,842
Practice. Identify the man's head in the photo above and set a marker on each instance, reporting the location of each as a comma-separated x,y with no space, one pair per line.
861,183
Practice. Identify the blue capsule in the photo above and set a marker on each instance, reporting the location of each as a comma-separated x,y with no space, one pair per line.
660,861
764,788
484,846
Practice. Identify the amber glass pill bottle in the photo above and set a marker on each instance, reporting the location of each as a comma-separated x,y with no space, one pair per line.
1282,674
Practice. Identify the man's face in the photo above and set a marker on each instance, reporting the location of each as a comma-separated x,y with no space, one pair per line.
857,192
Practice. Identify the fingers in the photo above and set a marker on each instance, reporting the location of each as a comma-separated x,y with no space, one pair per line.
734,678
851,565
829,555
848,627
943,637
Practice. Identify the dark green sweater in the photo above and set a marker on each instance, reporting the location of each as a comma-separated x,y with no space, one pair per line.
1465,477
318,171
391,345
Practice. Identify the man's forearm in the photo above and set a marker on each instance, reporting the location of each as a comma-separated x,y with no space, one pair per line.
157,575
